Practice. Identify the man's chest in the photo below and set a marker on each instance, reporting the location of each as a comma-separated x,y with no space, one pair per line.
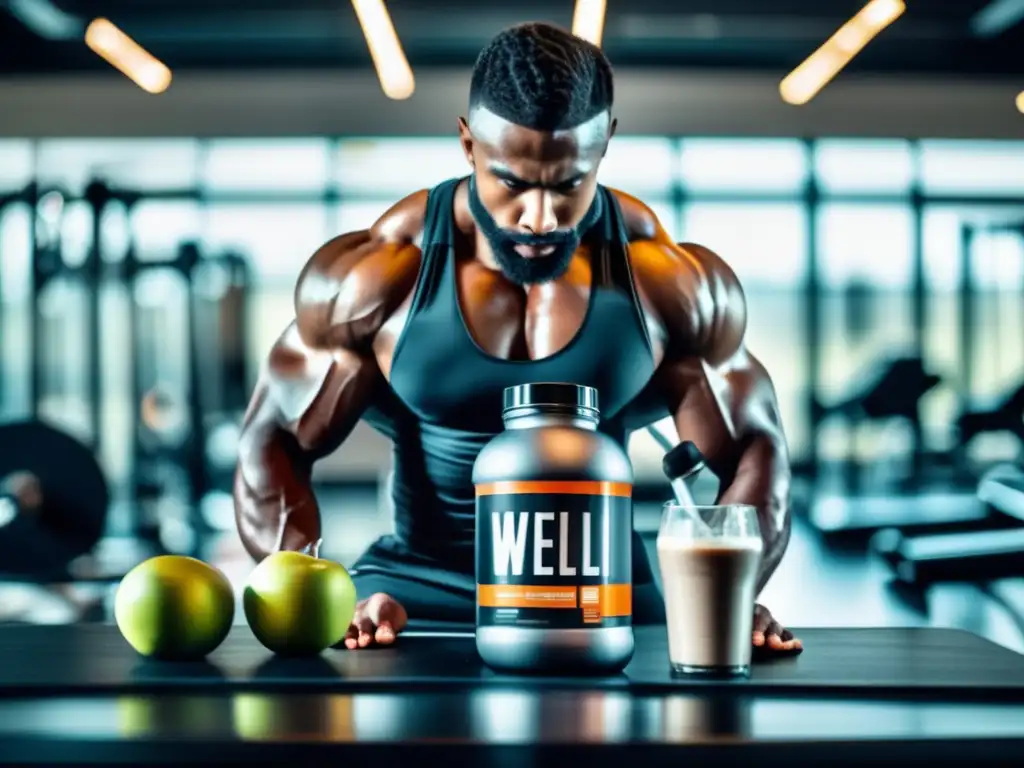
453,359
533,323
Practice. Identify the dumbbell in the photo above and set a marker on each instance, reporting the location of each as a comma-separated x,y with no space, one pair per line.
53,501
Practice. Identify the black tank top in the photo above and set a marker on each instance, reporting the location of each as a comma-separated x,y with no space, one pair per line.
446,392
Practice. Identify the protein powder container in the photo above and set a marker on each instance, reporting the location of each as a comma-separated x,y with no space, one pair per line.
554,528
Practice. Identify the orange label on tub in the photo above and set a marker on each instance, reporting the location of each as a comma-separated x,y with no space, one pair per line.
596,601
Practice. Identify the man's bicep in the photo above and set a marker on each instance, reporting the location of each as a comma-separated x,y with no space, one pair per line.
321,285
313,396
322,404
722,408
350,287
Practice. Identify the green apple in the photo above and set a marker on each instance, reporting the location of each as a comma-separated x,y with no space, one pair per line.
174,608
299,605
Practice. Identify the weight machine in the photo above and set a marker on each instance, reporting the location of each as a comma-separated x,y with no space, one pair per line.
210,400
892,392
185,431
994,547
182,429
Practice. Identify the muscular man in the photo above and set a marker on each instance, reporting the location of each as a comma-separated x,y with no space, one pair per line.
527,270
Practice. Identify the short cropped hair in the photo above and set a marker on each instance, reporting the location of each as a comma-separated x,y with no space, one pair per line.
543,77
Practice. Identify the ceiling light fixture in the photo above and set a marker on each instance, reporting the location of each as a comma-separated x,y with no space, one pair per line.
588,20
1020,101
46,19
393,70
997,17
817,70
124,54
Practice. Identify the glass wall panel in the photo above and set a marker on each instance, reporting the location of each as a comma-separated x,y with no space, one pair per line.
743,165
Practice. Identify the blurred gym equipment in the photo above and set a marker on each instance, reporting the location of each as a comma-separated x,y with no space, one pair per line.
846,518
188,378
65,327
994,547
1006,414
185,431
220,309
933,498
164,426
858,500
894,390
892,385
187,325
29,196
53,502
972,556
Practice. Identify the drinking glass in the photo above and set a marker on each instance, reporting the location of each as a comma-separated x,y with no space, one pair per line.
709,558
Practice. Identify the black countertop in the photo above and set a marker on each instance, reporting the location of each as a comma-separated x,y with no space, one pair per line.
74,693
87,659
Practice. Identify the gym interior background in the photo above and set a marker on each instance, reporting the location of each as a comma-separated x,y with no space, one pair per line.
149,244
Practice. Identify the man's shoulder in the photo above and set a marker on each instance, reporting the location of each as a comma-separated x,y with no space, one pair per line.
640,222
403,222
355,281
400,225
693,292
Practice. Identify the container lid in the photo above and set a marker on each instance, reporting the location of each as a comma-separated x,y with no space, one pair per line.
683,460
556,395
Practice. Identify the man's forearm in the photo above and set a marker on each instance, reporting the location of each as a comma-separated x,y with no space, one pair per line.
762,479
275,507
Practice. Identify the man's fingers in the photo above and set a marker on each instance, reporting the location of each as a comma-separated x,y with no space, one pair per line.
777,643
352,637
768,633
360,631
789,641
385,634
781,639
773,635
378,620
385,610
762,620
366,629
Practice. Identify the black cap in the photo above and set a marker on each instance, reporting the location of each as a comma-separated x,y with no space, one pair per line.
555,395
682,460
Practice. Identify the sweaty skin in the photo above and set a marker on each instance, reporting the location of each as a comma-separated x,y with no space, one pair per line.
351,302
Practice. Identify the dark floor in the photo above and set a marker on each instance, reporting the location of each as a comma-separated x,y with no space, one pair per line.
813,587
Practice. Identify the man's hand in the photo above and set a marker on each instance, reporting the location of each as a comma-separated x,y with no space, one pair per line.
770,635
378,620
